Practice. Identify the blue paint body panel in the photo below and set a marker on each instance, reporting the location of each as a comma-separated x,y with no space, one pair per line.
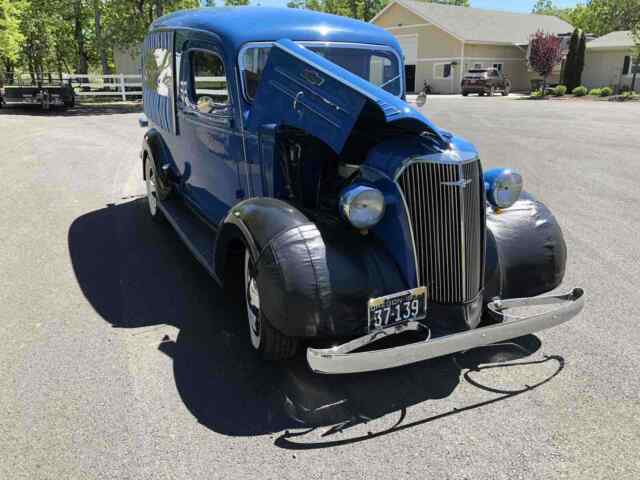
228,167
239,25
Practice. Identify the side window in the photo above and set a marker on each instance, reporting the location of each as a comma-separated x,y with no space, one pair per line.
208,90
254,59
158,71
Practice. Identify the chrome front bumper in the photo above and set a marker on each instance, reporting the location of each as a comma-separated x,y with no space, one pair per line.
339,359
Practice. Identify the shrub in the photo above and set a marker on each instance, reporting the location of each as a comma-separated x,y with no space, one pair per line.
595,92
537,94
606,91
559,91
580,91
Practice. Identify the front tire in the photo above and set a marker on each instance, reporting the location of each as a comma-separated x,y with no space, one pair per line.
265,339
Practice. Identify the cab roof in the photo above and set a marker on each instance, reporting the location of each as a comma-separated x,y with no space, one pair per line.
239,25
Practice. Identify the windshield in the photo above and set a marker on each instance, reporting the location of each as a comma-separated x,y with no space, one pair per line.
378,65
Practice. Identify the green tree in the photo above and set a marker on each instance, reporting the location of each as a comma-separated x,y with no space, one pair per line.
635,31
236,3
10,36
582,50
574,62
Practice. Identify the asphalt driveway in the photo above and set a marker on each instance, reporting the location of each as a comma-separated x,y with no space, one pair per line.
121,358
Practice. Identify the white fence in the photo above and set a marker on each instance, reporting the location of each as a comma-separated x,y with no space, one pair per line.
120,85
124,86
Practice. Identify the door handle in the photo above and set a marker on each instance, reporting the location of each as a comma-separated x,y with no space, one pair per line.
296,98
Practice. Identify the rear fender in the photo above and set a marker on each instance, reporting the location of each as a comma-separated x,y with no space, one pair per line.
154,148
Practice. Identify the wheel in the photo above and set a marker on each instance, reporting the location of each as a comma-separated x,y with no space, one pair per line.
266,340
481,94
492,91
464,94
506,91
154,192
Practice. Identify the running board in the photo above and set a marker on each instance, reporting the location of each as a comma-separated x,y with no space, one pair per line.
196,235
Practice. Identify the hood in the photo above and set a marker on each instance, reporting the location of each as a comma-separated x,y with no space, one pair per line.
301,89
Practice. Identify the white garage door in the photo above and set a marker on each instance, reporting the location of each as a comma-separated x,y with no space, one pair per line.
409,45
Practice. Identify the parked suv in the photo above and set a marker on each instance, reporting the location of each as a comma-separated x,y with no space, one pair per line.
485,80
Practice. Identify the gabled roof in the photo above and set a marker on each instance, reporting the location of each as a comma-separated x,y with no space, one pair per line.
620,39
474,25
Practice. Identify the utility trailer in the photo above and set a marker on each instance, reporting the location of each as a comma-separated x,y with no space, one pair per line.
45,90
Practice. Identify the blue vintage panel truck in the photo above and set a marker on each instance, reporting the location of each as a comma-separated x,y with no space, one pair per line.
280,147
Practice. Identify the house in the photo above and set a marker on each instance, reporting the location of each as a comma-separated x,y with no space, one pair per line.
127,60
608,61
442,42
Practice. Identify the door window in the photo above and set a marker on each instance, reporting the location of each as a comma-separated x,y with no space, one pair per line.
209,92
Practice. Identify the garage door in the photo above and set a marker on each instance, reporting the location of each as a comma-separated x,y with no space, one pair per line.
409,45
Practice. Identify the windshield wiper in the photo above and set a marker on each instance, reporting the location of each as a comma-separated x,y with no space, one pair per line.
389,81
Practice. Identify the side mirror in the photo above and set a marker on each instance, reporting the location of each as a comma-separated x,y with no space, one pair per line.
421,99
143,121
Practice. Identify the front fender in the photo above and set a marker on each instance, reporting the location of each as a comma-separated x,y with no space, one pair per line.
526,252
315,278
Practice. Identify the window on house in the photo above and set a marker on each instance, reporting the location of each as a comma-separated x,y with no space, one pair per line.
442,70
477,66
209,84
626,66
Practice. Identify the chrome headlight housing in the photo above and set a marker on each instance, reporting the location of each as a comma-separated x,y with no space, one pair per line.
503,187
362,206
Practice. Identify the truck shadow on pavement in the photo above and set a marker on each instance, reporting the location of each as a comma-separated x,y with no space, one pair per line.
139,277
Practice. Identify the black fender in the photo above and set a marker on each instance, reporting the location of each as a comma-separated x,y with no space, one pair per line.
315,278
154,148
526,254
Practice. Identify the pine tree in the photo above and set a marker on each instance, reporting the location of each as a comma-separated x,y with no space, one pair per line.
571,62
582,46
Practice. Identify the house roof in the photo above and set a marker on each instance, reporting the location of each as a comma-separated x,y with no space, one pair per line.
485,26
620,39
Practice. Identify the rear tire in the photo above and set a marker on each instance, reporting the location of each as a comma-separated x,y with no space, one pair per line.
465,94
155,193
264,338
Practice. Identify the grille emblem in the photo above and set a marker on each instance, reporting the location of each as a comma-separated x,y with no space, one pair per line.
462,183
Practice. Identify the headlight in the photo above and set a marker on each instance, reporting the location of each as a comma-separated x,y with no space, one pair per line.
503,187
362,206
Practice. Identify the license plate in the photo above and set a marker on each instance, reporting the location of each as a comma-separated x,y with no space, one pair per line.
397,308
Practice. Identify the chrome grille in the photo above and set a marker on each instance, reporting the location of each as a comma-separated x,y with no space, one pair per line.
446,219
